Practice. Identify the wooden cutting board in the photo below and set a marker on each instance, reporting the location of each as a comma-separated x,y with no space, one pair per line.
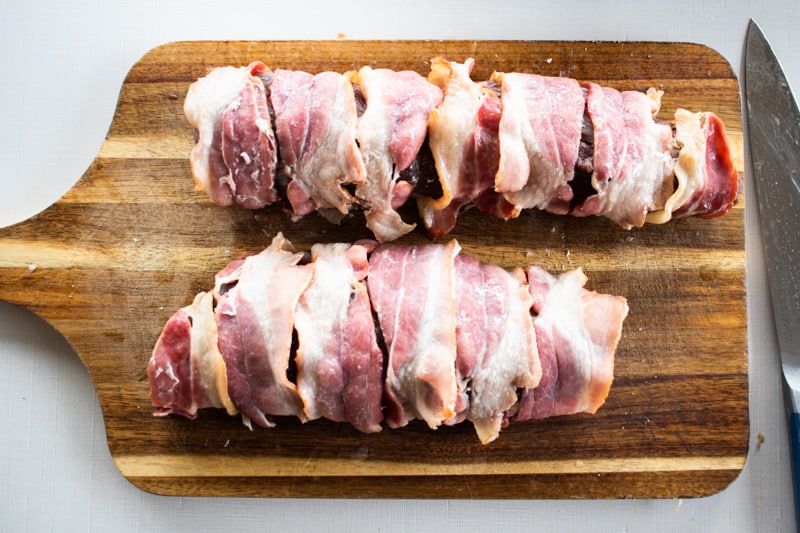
132,242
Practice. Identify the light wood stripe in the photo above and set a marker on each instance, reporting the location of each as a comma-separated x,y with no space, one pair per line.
147,147
37,256
164,465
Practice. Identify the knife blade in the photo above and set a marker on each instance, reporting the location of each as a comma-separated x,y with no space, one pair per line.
774,135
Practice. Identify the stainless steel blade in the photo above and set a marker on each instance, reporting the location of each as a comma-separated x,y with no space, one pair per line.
774,133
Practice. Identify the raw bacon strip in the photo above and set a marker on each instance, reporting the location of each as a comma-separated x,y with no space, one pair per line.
609,138
451,125
540,133
463,134
633,162
255,319
412,290
645,178
183,384
339,364
390,134
315,122
577,332
496,343
707,179
481,191
235,157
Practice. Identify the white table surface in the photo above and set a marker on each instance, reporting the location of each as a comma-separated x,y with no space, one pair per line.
62,68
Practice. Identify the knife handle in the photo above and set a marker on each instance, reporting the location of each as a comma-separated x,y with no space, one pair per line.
794,435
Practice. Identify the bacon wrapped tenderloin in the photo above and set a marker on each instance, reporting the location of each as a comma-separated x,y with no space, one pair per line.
370,140
378,335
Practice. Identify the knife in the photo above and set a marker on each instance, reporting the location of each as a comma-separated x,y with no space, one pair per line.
774,134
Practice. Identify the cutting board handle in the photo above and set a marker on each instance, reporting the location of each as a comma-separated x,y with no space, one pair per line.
39,257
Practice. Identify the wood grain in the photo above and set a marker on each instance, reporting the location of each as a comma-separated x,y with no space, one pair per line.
132,242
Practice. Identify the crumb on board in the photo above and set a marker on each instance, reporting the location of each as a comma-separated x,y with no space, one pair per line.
759,440
32,267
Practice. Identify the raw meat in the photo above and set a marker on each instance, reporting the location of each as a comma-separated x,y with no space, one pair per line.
373,139
452,339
